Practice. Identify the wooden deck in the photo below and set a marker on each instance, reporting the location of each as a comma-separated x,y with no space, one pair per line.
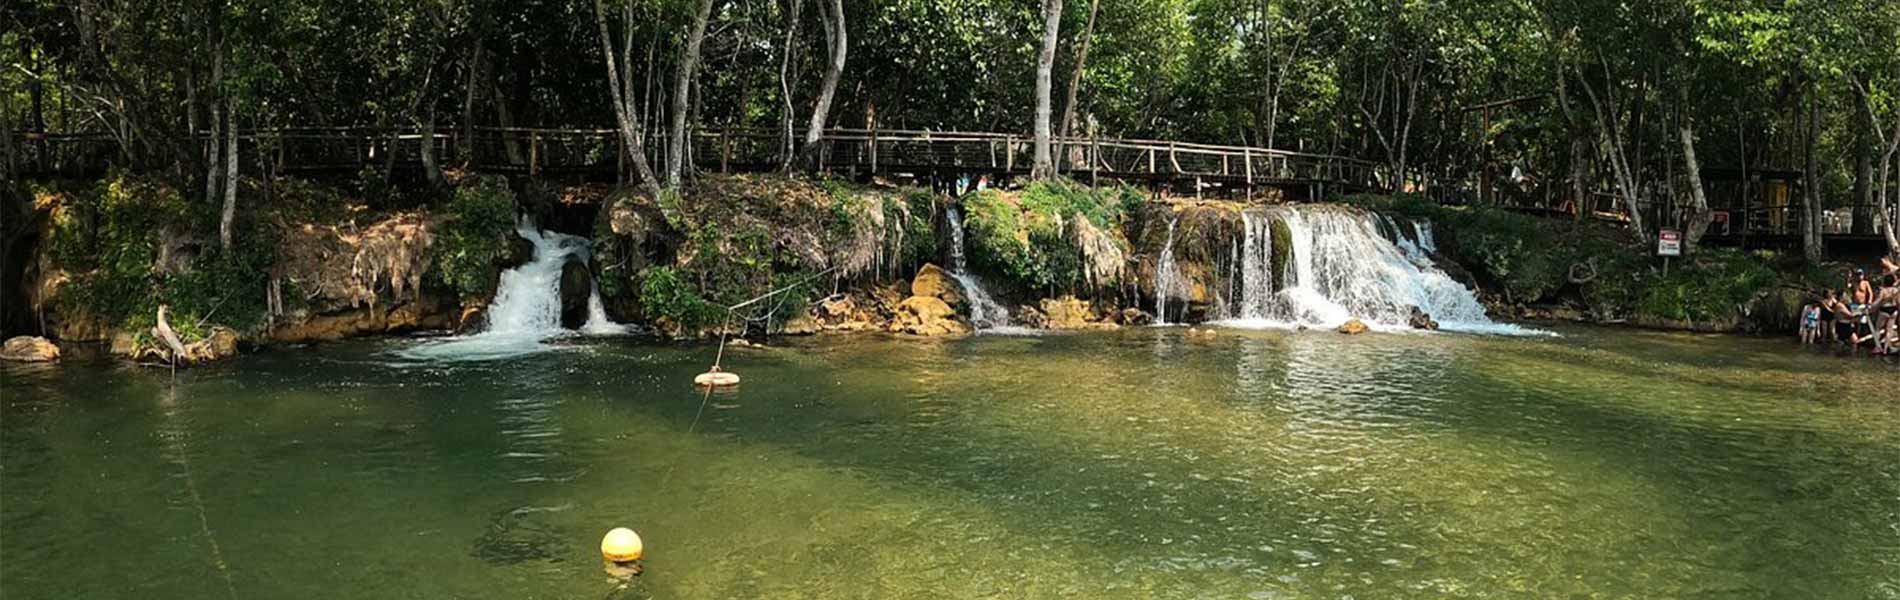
597,153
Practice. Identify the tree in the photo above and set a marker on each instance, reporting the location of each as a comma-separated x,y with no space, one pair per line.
837,45
682,91
620,88
1081,62
1045,65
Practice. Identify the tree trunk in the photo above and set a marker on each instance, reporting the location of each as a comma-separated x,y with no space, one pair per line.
1610,143
1811,234
217,127
631,134
833,14
1045,65
468,98
1579,175
431,172
787,138
1699,217
1081,62
229,213
1863,196
682,92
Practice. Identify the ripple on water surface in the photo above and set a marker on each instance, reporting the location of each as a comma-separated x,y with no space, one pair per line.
1146,462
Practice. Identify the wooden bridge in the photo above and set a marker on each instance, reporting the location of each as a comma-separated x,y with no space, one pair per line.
598,154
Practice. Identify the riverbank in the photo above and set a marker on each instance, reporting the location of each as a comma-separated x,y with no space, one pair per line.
317,262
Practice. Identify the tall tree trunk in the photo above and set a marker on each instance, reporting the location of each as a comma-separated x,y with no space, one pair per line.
682,93
1579,174
467,149
618,76
1699,217
1610,144
1045,65
213,102
229,213
431,171
1811,235
1081,62
833,12
788,144
1863,196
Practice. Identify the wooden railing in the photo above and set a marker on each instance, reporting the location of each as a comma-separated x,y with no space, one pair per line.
864,151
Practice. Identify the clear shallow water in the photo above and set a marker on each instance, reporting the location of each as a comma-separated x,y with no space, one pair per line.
1259,464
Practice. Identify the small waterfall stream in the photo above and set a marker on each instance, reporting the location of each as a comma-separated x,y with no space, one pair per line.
1167,276
985,312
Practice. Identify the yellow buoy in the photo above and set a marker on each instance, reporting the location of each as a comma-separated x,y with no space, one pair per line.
621,545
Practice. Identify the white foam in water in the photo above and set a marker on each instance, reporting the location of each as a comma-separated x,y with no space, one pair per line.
527,308
1342,268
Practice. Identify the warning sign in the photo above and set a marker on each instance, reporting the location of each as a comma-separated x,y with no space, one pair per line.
1669,243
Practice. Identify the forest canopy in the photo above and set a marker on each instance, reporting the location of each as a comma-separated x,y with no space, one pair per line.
1611,97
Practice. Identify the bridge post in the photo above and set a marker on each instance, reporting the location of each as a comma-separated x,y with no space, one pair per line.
1246,154
873,146
725,151
1151,160
534,152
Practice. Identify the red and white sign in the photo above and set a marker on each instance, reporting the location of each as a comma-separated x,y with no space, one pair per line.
1669,243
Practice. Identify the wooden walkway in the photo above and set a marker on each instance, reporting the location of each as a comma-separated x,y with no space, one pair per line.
597,153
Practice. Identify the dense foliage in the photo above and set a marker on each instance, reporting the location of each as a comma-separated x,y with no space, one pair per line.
476,239
1025,236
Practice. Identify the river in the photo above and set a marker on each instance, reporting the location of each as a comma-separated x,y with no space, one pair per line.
1140,463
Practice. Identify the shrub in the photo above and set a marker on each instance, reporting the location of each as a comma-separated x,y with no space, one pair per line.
475,239
665,294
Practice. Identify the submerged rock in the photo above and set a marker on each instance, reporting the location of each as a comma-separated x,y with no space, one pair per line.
1353,327
29,349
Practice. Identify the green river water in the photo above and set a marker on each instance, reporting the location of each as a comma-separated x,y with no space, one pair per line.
1140,463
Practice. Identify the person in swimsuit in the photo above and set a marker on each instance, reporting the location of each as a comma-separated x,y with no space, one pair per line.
1810,323
1886,309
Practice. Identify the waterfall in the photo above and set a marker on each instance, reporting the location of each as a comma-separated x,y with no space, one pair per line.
527,306
985,312
1341,267
1167,277
597,321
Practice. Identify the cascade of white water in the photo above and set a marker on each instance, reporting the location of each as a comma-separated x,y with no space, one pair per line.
985,312
597,321
528,300
527,305
1340,267
1167,276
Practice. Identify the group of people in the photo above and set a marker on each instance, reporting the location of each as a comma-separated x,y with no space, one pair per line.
1866,313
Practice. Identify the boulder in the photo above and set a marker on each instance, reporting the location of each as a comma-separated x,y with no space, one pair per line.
1353,327
29,348
1419,320
927,316
408,316
1069,312
577,283
937,283
1135,317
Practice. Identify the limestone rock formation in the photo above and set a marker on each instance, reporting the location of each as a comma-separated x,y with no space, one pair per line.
1069,312
1353,327
934,282
927,316
1419,320
29,349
